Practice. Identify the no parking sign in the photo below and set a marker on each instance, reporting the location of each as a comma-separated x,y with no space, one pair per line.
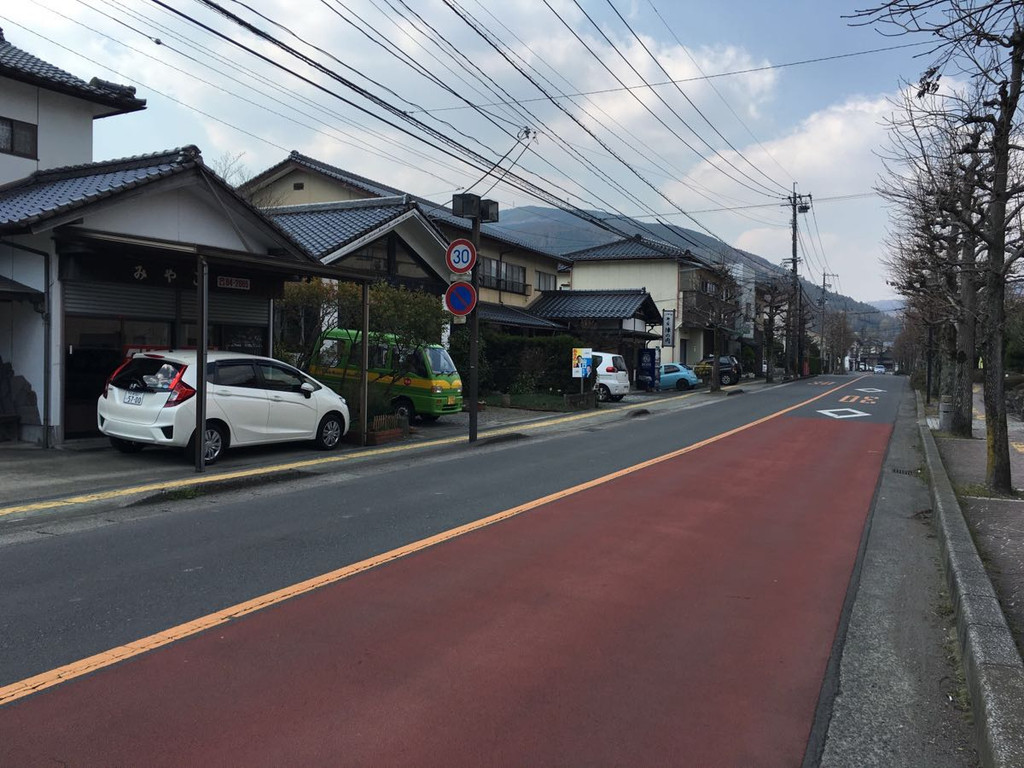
460,298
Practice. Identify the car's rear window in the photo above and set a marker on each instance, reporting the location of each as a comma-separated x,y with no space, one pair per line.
147,373
619,363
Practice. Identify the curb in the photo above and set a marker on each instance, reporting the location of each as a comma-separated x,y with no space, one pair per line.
992,663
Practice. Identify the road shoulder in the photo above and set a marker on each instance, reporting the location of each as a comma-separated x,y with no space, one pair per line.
898,691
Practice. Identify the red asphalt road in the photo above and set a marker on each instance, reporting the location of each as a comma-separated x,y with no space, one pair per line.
680,615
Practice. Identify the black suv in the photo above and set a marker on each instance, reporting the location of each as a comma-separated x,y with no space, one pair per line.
729,369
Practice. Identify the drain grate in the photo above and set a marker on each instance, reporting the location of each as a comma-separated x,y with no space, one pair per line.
910,472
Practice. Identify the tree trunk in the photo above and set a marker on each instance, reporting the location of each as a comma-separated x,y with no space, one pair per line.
966,344
997,471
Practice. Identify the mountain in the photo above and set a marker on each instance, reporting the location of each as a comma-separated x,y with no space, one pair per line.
559,232
888,305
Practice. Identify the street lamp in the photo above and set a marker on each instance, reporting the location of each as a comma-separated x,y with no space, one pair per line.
470,206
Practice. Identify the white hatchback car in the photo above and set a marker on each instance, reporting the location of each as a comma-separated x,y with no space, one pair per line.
150,400
612,376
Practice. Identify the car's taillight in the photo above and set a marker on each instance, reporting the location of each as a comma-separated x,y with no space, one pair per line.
110,378
610,369
180,391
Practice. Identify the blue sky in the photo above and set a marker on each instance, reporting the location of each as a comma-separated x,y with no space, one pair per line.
820,125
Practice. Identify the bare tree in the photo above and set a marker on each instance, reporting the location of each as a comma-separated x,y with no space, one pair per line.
982,41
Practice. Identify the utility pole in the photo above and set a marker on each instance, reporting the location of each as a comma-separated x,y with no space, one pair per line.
470,206
798,205
824,297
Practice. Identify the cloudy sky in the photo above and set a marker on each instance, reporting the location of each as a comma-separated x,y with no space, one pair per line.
703,114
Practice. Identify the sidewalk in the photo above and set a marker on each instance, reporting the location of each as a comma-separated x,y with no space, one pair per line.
982,542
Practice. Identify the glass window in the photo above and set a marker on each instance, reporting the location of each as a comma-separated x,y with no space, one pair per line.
146,373
281,379
414,364
441,362
237,373
546,281
671,369
18,138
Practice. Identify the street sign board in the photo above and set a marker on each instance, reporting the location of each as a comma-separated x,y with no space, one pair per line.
460,298
460,256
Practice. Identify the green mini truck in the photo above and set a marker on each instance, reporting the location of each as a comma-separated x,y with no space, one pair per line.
417,380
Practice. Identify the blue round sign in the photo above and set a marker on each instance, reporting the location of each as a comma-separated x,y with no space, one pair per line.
460,298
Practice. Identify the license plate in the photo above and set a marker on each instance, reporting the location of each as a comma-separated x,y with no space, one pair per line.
451,400
133,398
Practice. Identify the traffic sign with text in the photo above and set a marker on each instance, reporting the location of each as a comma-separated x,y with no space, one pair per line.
460,256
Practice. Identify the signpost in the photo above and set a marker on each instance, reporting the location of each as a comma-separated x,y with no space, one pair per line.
460,256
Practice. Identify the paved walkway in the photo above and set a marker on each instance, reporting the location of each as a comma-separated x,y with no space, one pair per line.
996,524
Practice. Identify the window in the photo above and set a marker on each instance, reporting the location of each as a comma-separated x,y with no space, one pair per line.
18,138
299,185
279,379
237,374
546,281
503,276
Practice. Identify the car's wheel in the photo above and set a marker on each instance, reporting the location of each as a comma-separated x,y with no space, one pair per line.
215,441
727,379
682,384
603,393
126,446
403,407
328,434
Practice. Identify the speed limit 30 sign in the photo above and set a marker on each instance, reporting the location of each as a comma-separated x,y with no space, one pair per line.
460,256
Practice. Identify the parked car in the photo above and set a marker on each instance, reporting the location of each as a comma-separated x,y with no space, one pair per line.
150,400
612,376
879,369
729,369
677,376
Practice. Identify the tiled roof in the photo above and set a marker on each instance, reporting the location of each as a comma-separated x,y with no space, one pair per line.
24,67
573,305
520,318
439,213
628,248
49,193
323,229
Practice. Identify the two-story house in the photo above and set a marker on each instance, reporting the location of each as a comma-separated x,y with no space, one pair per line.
682,285
100,258
512,273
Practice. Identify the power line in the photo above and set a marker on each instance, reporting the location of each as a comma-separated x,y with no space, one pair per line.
714,88
734,73
692,104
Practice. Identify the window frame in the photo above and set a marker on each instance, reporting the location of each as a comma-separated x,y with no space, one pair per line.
14,125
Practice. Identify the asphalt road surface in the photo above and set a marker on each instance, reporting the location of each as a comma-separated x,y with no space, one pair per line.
654,590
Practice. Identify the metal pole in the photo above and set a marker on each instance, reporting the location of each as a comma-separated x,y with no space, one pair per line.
364,364
794,323
201,341
474,336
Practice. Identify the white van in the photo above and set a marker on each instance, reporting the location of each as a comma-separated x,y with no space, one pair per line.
612,376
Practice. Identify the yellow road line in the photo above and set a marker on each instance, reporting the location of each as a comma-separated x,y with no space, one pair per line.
30,685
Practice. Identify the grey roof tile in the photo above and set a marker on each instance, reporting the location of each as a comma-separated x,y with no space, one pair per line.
24,67
520,318
49,193
628,248
321,230
573,305
439,213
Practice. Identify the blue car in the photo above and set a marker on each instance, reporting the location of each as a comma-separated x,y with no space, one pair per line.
677,376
